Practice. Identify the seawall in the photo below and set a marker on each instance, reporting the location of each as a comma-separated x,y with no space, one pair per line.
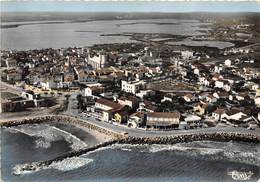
35,166
222,137
61,119
120,139
184,138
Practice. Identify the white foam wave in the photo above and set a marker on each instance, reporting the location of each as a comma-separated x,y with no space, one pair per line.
204,150
47,134
250,157
70,163
64,165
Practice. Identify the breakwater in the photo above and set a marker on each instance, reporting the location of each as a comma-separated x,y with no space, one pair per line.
184,138
223,136
61,119
35,166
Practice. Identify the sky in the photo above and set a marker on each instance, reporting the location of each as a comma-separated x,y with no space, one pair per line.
130,6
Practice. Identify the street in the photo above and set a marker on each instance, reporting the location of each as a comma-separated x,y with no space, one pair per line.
134,132
74,112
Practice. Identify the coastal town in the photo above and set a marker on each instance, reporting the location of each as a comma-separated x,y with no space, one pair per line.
130,91
145,86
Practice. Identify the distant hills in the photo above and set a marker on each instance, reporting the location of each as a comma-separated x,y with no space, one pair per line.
86,16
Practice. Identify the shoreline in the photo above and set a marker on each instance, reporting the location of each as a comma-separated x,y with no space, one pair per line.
88,127
120,137
116,138
219,137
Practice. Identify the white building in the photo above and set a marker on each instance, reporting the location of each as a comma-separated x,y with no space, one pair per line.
227,87
218,114
218,69
106,108
97,62
93,90
131,87
196,71
130,101
186,54
233,114
219,84
135,120
228,63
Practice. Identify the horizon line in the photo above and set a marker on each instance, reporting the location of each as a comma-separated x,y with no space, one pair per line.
164,12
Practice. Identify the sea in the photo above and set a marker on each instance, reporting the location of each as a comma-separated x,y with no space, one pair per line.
195,161
43,34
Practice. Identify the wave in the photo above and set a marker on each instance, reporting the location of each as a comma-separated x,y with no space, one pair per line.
70,163
205,150
64,165
47,134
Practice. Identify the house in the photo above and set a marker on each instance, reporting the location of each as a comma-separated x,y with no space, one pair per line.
241,96
221,95
33,78
130,101
163,119
218,113
200,108
217,77
68,78
97,62
196,71
218,69
30,95
116,76
219,84
203,95
189,97
82,76
167,98
14,75
210,98
46,85
10,62
228,62
105,104
186,54
143,93
121,116
131,87
107,109
233,114
255,87
227,86
192,120
93,91
136,120
146,106
18,104
204,81
183,125
154,70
